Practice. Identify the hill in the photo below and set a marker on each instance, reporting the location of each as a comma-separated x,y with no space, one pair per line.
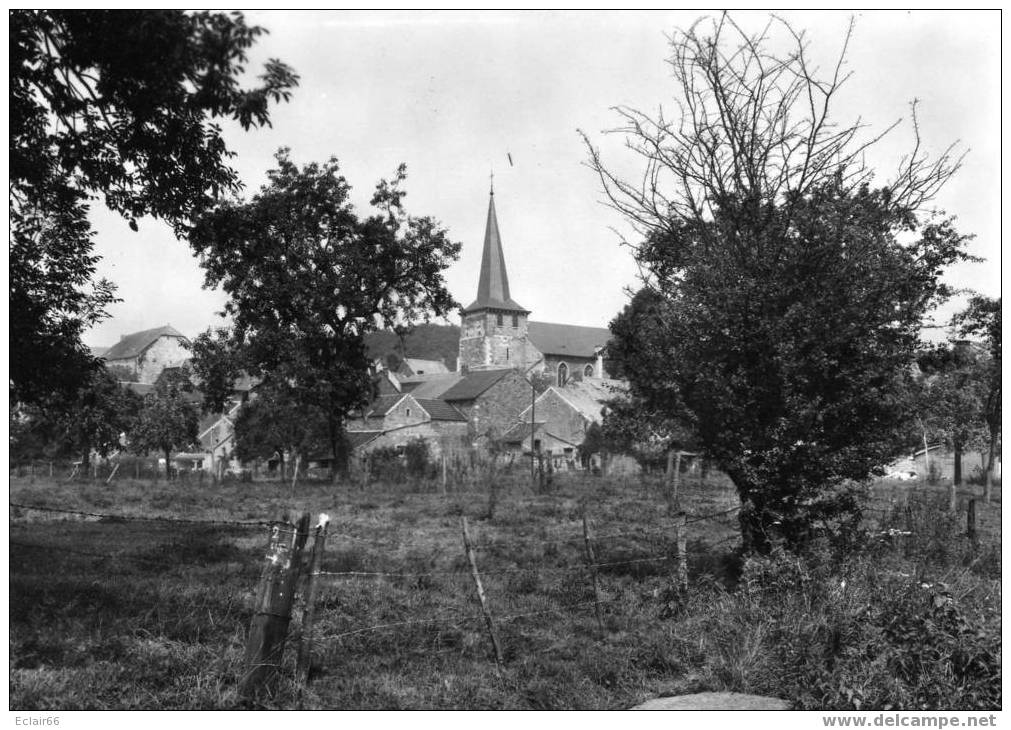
426,341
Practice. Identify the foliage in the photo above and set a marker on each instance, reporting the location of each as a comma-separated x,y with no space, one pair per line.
428,341
418,458
272,423
96,418
168,418
118,105
308,279
982,318
215,367
792,290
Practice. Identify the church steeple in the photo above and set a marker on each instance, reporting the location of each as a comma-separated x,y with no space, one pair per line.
493,284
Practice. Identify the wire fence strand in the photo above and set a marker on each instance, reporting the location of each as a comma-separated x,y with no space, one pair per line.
141,518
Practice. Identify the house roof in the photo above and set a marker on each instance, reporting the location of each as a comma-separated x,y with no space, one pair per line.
440,410
587,397
360,438
134,344
493,283
99,351
474,384
520,431
426,367
383,404
567,339
429,386
140,389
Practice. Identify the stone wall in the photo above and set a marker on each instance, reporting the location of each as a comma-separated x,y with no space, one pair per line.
485,345
165,352
498,408
559,417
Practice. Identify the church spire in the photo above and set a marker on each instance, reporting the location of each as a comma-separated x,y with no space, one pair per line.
493,284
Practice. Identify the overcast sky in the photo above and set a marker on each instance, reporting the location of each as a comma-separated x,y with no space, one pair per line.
452,94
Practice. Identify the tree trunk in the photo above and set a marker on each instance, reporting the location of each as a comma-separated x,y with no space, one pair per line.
988,476
168,465
958,465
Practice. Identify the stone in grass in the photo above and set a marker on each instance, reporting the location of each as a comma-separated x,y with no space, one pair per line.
715,701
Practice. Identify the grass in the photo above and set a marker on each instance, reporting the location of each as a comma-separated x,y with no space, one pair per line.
113,614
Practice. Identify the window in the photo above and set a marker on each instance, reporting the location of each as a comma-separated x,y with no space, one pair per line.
537,445
588,371
498,319
408,412
516,320
563,373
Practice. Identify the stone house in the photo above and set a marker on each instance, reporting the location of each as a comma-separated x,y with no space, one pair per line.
395,420
561,415
143,355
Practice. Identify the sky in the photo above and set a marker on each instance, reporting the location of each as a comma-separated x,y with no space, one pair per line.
455,95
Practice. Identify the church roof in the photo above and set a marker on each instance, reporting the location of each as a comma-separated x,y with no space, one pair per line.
567,339
493,284
134,344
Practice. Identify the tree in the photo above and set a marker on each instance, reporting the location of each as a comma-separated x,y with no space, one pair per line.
118,105
168,417
792,290
96,419
308,279
982,318
274,422
953,392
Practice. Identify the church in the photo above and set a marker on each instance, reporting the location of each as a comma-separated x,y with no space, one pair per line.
496,331
492,393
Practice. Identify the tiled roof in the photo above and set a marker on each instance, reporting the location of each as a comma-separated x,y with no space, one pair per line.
360,438
134,344
383,404
440,410
474,384
520,431
429,386
567,339
587,397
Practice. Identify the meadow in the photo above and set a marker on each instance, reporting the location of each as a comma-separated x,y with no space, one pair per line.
148,606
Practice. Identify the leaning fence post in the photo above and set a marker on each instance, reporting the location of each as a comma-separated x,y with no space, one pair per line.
970,520
485,608
275,595
591,563
681,538
114,470
305,644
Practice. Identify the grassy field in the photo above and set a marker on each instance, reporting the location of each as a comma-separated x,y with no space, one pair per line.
127,614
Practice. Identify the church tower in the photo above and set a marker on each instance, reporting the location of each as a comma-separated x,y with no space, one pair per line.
493,333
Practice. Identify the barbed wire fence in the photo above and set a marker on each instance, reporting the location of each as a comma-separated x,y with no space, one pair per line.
294,565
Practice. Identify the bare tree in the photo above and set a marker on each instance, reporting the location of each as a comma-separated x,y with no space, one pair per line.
755,123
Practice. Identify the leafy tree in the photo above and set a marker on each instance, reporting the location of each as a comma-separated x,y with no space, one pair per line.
982,318
118,105
273,422
308,279
96,418
793,290
168,417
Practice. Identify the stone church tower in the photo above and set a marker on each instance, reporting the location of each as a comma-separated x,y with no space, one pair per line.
493,333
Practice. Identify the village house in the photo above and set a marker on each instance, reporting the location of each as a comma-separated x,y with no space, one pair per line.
395,420
142,356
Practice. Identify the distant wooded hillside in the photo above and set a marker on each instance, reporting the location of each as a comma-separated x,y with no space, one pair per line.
426,341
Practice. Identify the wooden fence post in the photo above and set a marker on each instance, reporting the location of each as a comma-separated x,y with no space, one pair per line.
275,595
970,520
591,564
681,538
114,470
485,608
305,644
